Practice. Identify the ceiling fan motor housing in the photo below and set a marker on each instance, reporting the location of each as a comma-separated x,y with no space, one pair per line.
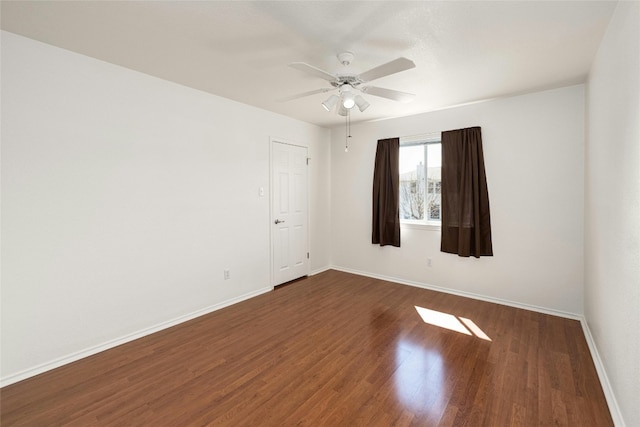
346,79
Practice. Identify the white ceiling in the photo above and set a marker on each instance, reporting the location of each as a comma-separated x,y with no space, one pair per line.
463,51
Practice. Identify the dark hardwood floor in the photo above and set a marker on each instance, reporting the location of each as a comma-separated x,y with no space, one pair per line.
334,349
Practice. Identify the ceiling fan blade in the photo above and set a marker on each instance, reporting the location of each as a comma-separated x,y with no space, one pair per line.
395,95
310,69
395,66
302,95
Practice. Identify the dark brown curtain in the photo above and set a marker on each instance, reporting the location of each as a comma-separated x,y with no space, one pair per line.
386,188
466,223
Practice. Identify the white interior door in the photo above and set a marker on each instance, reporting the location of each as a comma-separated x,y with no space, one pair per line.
289,212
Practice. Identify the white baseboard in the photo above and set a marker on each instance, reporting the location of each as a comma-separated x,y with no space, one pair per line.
320,270
614,409
463,294
27,373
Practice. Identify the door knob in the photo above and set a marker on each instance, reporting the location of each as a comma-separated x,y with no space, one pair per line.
278,221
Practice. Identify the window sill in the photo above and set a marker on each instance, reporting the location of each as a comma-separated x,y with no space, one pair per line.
420,226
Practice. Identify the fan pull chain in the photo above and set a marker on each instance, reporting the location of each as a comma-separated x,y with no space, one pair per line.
347,119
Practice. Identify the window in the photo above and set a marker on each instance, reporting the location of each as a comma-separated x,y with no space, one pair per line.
420,165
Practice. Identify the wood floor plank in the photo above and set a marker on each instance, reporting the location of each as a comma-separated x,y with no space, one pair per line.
333,349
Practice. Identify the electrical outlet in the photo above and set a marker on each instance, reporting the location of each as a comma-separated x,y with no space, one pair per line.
227,275
428,262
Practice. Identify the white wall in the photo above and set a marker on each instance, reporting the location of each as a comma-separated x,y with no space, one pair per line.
124,197
612,206
533,147
320,204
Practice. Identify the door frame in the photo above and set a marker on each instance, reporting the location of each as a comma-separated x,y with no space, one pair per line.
272,142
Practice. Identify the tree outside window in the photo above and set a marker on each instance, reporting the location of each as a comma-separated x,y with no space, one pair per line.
420,178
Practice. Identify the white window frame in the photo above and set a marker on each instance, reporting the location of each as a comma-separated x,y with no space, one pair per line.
424,224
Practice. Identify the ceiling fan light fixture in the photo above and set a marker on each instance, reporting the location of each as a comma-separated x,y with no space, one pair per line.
330,102
362,103
348,101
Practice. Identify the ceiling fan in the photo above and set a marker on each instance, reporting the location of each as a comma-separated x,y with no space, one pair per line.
349,85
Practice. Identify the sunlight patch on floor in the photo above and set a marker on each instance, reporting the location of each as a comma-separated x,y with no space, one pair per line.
451,322
474,328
